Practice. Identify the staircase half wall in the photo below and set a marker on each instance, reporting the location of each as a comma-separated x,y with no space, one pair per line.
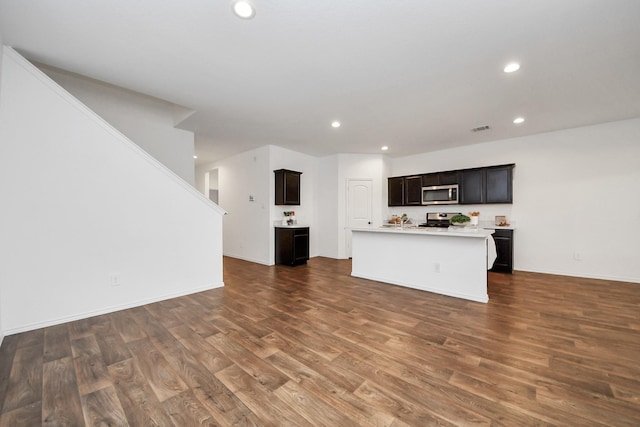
89,222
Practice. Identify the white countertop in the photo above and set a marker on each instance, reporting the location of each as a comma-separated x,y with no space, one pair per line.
430,231
491,225
499,227
291,226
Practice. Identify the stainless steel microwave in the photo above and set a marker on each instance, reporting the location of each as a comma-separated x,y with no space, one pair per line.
440,195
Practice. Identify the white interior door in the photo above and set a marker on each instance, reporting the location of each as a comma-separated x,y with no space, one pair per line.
359,207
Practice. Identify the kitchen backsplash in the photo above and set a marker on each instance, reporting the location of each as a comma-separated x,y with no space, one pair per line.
488,212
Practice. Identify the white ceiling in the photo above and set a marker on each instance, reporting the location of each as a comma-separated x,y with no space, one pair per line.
415,75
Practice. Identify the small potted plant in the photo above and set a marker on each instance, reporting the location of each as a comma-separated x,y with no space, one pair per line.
460,219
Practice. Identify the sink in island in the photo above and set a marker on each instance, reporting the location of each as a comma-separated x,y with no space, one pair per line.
444,261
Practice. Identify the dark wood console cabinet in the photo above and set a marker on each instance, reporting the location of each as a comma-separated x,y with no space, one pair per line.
292,245
287,187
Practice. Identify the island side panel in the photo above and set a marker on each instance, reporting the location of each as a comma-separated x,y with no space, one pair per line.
448,265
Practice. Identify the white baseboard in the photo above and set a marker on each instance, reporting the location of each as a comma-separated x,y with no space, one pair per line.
586,276
442,291
257,261
107,310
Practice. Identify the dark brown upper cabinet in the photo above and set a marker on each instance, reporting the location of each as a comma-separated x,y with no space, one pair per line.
287,187
430,179
440,178
395,191
413,190
449,178
493,184
499,184
472,186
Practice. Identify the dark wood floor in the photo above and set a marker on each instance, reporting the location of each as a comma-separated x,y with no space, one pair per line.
311,345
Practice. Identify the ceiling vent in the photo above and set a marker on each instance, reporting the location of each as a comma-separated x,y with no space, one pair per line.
480,128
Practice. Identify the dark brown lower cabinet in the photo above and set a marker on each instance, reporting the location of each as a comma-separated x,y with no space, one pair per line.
504,249
292,245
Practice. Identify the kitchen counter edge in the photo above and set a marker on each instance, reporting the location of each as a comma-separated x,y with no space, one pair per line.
479,233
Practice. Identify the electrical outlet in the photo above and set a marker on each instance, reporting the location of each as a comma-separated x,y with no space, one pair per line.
577,256
436,267
114,279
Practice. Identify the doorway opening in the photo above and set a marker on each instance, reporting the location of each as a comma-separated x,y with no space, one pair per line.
212,185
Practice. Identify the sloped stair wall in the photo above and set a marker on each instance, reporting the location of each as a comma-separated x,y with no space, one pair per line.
89,222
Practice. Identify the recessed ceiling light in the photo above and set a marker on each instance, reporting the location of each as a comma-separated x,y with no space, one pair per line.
384,148
244,9
335,124
518,120
195,157
510,68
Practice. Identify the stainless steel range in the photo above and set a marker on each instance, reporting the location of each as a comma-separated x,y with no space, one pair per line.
439,219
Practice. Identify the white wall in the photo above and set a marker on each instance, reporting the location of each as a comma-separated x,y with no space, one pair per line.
147,121
575,191
1,316
327,214
107,210
246,227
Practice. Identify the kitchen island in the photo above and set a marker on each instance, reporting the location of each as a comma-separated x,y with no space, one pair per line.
451,262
